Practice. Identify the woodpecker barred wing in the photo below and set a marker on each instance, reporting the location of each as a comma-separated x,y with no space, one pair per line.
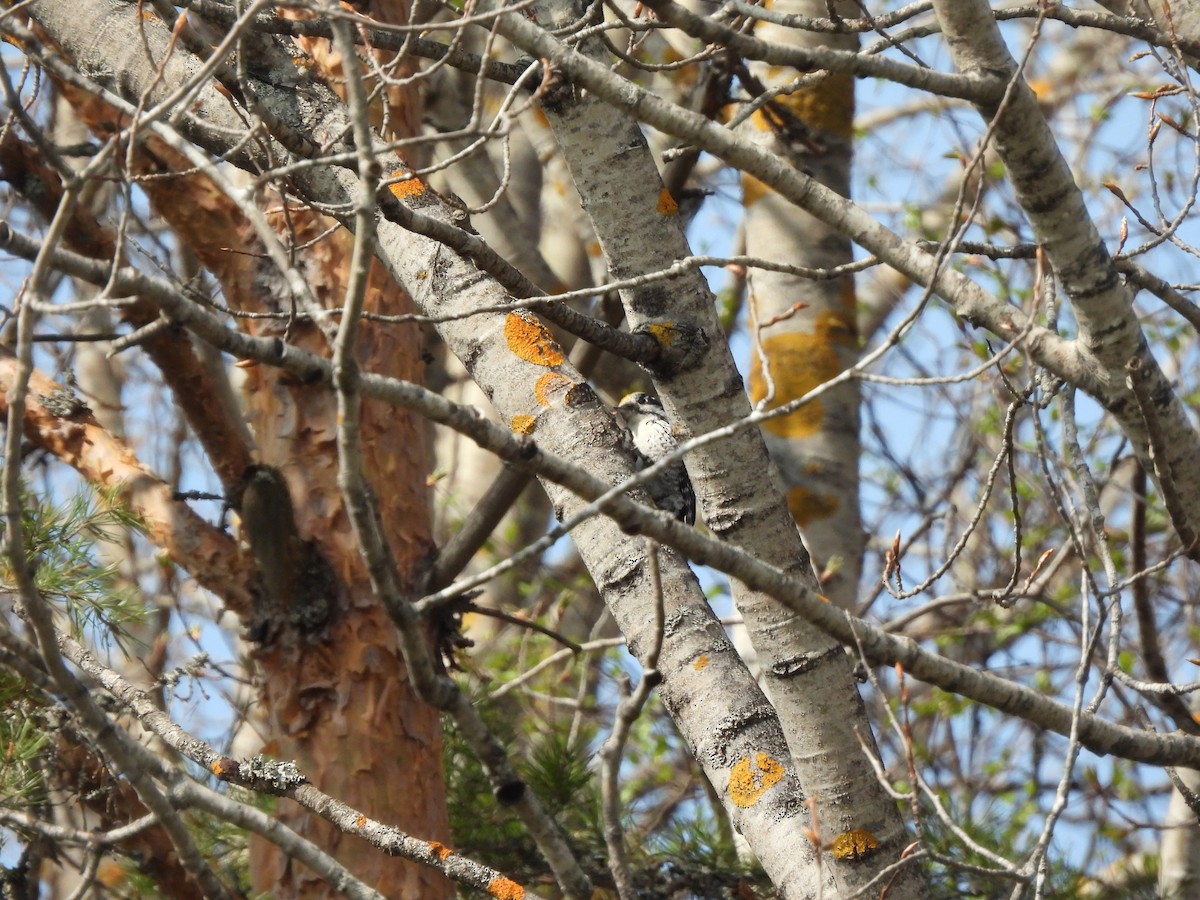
672,492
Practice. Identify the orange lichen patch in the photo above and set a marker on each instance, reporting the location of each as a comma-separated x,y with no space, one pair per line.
223,767
523,424
548,385
1041,87
799,361
441,851
360,822
753,190
666,204
700,663
530,340
827,106
409,187
112,874
149,16
505,889
663,332
808,506
854,844
749,780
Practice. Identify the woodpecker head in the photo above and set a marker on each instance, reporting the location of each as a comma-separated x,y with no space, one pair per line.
637,404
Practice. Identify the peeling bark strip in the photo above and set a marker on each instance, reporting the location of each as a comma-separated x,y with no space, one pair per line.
210,556
327,653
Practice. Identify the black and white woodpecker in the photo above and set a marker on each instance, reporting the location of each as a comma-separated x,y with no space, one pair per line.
650,430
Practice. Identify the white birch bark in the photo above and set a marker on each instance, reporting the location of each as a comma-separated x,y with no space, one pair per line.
1110,335
1110,338
809,677
803,329
1179,863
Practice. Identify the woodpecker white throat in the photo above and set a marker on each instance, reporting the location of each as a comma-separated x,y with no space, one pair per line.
650,430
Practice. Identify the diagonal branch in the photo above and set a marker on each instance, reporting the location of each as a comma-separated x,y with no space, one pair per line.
349,820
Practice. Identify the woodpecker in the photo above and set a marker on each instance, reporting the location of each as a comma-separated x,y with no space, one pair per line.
650,430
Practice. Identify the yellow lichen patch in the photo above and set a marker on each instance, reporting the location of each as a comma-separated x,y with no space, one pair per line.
523,424
529,339
503,889
748,780
700,663
762,121
753,190
808,506
548,385
663,332
827,106
799,361
441,851
666,204
409,187
1041,87
112,874
854,844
